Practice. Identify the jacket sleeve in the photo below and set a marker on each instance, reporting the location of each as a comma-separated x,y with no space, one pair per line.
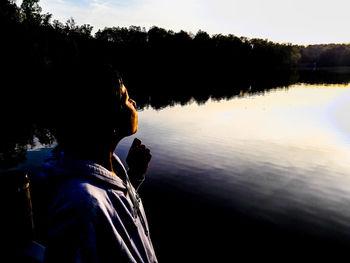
71,235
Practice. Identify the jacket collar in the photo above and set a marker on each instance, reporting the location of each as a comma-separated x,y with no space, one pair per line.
60,166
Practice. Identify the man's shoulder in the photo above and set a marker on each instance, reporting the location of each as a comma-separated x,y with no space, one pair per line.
75,196
84,196
78,190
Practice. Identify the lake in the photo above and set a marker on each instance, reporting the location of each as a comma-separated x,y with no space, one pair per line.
255,176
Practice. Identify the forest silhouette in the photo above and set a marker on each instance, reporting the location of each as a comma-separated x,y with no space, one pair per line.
160,67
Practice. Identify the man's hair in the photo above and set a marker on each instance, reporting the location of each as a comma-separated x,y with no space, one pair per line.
86,96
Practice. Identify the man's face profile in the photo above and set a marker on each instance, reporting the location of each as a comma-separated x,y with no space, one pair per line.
129,116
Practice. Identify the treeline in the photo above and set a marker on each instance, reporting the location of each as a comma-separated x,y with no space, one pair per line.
330,55
157,50
136,49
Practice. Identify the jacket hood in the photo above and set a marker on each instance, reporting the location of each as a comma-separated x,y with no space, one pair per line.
58,167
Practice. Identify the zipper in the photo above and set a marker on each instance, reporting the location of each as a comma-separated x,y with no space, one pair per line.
135,199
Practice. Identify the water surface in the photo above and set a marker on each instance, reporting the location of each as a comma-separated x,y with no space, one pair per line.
279,155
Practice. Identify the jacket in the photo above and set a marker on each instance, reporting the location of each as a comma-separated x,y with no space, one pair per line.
94,215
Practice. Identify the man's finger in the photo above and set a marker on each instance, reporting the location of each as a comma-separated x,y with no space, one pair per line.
136,142
142,147
148,158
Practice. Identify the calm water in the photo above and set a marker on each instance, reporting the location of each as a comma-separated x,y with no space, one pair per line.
283,155
280,156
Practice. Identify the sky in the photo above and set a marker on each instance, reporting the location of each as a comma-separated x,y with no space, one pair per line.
284,21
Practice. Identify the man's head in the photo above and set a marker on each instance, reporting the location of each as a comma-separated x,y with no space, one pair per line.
93,105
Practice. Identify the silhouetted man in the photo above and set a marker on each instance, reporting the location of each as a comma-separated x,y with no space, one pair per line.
95,213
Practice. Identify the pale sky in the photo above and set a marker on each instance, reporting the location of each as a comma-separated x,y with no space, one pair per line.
285,21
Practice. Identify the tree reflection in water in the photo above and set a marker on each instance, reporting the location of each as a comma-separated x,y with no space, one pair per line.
27,124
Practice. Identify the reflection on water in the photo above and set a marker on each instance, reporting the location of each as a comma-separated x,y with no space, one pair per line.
280,155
